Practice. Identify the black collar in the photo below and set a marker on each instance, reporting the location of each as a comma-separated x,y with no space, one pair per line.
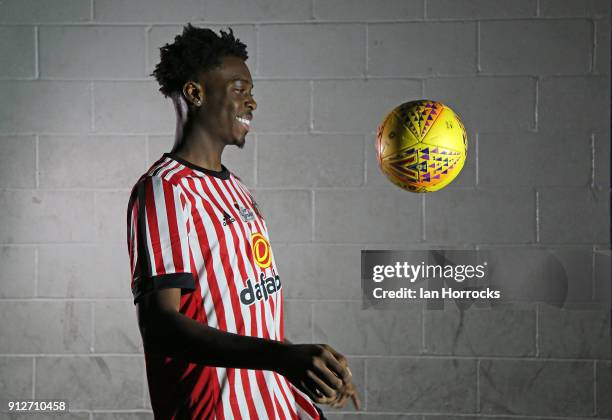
224,173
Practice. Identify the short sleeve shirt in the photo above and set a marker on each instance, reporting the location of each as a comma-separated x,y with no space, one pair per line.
203,232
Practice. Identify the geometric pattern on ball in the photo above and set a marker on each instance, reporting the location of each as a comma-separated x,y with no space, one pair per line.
420,116
421,146
423,165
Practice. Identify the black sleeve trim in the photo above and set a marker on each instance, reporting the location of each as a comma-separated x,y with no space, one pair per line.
142,232
142,286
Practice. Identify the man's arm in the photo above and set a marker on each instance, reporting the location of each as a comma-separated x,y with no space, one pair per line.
312,368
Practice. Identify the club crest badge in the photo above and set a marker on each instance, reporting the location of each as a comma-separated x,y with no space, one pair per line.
246,214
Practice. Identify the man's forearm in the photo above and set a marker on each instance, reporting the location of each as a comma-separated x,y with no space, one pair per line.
176,335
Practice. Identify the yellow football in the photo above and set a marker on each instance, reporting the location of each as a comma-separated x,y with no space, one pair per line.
421,146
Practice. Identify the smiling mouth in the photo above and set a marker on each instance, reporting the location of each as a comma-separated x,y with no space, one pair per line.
245,122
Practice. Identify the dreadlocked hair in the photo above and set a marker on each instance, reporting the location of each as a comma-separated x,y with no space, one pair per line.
195,50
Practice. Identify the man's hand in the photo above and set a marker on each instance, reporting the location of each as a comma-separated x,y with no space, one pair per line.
315,370
348,389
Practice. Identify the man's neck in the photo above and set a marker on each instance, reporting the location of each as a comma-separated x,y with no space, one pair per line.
198,148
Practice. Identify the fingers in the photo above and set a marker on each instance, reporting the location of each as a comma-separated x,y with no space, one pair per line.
309,387
335,353
323,371
306,388
323,374
321,386
339,369
338,356
344,394
339,403
356,400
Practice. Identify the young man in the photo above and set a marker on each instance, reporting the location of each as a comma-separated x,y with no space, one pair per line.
204,279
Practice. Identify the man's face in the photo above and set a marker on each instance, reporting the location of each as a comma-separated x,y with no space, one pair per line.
228,104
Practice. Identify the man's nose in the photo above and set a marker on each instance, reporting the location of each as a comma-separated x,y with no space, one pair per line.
252,103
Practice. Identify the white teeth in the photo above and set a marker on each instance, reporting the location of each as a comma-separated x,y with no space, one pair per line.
244,121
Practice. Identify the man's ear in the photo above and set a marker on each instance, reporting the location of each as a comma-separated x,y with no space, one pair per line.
194,93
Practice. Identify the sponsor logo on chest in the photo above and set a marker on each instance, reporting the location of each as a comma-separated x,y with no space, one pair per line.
263,289
266,286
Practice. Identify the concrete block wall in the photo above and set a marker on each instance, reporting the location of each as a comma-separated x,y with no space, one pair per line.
81,119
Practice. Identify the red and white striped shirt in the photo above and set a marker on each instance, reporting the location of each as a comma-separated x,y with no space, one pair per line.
201,231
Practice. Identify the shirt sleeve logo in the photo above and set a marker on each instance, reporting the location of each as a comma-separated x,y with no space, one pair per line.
255,206
261,250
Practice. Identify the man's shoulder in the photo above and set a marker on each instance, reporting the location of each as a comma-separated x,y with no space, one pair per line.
238,180
166,171
162,172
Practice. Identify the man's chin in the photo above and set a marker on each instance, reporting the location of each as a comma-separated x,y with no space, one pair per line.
240,143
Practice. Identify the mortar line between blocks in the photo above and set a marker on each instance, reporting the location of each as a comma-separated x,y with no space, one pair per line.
107,190
69,299
478,66
147,31
592,160
257,49
537,104
537,216
364,179
301,22
147,156
33,377
36,270
537,330
423,314
312,211
388,77
425,9
80,355
95,213
478,385
423,219
476,159
37,160
92,348
36,54
92,106
594,387
311,108
365,384
537,8
367,51
312,322
92,10
593,275
255,157
594,45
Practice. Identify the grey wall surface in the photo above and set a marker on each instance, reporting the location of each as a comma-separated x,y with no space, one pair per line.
80,120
